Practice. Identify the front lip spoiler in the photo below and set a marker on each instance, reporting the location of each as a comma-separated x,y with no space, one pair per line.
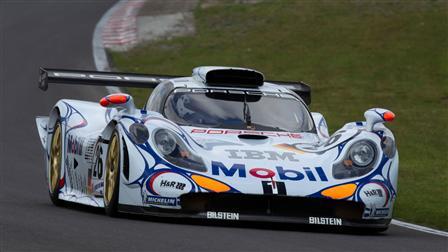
174,213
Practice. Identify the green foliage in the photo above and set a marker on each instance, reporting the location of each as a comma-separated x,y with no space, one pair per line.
356,55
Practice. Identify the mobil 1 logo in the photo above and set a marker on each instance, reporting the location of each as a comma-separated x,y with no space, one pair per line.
274,187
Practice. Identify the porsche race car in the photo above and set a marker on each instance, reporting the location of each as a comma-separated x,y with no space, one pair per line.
221,144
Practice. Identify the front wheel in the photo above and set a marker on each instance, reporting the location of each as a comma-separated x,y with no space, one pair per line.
111,180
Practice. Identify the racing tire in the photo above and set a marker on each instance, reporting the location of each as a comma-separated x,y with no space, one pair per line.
55,162
112,178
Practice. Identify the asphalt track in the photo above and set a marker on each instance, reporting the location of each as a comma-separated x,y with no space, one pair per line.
59,34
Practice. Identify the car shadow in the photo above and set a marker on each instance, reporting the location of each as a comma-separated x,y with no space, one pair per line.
227,224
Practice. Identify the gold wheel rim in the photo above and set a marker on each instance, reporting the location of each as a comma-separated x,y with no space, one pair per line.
55,157
112,164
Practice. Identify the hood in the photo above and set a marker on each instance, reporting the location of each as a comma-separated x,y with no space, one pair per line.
260,162
255,161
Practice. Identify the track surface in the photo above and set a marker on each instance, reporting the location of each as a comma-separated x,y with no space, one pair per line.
59,34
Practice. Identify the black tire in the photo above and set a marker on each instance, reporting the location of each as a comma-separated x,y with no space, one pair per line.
111,201
55,163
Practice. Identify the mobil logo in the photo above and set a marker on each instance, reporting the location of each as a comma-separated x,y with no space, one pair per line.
240,170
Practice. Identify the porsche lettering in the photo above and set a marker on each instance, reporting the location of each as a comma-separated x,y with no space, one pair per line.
249,132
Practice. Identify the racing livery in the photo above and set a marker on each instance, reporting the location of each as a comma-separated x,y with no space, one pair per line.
222,144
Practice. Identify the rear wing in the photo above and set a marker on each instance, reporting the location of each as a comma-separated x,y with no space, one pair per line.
96,78
300,88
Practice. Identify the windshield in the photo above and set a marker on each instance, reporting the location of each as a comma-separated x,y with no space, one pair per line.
238,110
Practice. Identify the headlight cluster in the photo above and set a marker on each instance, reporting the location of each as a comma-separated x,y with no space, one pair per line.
139,133
360,160
174,150
362,154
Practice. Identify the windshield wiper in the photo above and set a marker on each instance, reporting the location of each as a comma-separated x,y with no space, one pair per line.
246,112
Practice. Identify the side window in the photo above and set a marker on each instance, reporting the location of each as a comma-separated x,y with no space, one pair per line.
158,96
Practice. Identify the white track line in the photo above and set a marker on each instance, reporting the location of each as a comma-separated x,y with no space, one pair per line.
419,228
99,53
102,64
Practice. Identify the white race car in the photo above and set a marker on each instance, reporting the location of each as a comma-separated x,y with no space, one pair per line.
221,144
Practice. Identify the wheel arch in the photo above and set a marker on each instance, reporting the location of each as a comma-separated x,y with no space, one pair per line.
108,130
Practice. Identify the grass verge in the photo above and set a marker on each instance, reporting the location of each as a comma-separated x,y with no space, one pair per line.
356,55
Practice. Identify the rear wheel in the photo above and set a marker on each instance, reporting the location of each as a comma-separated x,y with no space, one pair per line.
111,180
54,173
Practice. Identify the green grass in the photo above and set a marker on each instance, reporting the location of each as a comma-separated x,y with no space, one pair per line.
356,55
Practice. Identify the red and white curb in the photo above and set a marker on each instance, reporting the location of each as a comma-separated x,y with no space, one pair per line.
120,31
117,29
103,37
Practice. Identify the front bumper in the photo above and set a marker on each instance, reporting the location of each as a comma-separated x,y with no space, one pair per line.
266,208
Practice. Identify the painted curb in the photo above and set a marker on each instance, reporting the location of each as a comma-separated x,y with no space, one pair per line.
99,52
119,33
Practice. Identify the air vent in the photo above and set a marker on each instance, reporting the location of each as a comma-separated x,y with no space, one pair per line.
252,137
234,77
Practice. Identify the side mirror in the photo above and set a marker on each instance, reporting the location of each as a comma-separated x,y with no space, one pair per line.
119,100
377,115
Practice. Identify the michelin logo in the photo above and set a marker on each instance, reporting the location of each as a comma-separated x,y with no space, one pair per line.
223,216
163,201
325,221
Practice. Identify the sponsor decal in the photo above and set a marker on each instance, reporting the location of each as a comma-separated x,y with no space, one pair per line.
172,184
78,180
89,151
312,174
290,147
75,144
374,194
168,184
261,155
223,215
95,170
161,201
325,221
381,212
274,187
251,132
378,212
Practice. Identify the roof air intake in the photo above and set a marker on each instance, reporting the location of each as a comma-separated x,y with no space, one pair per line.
234,77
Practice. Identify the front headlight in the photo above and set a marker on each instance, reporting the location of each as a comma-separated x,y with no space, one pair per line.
174,150
359,160
362,154
165,141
